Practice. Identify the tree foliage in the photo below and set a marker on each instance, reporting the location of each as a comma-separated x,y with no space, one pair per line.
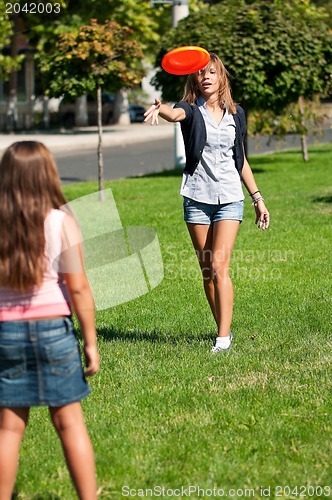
275,51
89,58
8,62
324,5
93,55
327,6
147,22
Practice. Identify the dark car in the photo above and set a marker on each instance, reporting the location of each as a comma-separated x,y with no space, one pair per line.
136,113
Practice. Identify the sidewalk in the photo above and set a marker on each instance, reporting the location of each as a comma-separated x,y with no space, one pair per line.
87,137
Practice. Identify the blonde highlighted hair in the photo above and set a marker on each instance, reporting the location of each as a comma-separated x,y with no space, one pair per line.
191,90
29,188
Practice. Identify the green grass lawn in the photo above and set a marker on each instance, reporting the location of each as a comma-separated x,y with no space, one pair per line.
164,411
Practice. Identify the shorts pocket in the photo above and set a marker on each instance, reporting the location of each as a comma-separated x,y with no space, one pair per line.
63,355
12,361
187,202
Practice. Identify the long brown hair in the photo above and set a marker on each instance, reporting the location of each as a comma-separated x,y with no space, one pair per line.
191,90
29,187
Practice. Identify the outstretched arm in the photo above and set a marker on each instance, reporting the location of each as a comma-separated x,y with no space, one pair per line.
165,111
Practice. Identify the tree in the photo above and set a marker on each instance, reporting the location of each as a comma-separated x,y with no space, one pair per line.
326,5
7,62
43,27
87,59
21,24
146,22
135,14
276,51
10,61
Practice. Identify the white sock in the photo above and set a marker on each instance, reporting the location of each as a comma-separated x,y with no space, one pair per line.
223,342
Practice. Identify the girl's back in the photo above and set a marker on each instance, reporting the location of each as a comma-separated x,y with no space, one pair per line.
41,277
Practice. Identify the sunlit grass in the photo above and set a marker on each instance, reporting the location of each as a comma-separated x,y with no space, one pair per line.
163,410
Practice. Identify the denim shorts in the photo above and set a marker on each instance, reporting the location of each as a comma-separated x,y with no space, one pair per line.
196,212
40,363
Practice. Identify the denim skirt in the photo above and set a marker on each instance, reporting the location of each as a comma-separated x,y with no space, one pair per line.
196,212
40,363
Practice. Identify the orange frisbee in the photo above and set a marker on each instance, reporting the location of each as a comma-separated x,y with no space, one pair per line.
185,60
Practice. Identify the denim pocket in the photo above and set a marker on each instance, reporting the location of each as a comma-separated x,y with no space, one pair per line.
12,361
187,202
63,355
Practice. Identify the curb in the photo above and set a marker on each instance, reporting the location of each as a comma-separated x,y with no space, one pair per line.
88,138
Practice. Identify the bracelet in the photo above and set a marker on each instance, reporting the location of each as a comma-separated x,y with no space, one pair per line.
252,194
257,199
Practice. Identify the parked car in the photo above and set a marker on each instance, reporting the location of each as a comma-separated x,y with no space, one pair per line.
136,112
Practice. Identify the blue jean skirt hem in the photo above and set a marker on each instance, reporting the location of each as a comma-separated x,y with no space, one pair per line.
40,364
51,404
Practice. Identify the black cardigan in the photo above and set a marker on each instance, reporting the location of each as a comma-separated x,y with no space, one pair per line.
194,136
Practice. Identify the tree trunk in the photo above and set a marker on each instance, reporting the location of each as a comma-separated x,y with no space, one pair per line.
304,141
100,143
46,113
81,112
12,116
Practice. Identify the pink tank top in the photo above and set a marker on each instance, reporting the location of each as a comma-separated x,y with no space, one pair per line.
51,298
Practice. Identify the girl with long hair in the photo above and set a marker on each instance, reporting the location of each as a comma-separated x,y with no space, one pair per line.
42,278
213,129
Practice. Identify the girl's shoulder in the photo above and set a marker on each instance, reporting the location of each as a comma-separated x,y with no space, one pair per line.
56,213
189,109
55,218
60,221
185,105
239,109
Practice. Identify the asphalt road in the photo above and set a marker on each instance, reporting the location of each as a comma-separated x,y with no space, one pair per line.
151,156
119,161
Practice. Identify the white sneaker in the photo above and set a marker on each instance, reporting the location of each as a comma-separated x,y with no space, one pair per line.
216,348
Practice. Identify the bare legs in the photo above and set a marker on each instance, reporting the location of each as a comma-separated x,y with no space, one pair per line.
13,422
214,245
69,424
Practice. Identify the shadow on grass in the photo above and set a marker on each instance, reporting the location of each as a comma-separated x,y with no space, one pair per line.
270,156
323,199
16,496
326,151
174,172
263,164
72,179
154,337
258,170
